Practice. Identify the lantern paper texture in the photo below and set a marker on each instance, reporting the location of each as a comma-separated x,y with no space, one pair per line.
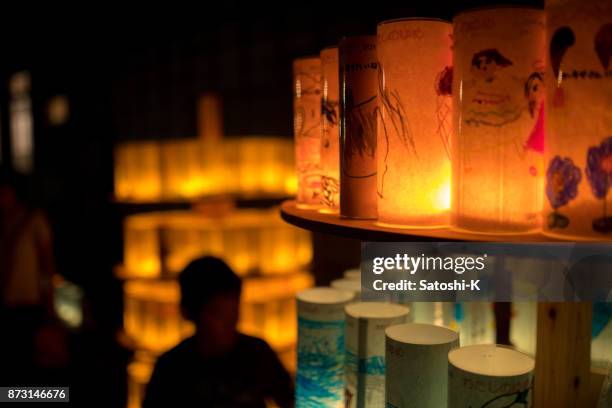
498,110
414,85
321,324
489,375
307,128
417,364
579,123
330,129
359,113
365,351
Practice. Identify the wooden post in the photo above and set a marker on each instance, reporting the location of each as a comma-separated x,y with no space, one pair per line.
563,356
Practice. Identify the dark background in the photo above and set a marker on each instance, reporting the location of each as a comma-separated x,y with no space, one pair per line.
135,73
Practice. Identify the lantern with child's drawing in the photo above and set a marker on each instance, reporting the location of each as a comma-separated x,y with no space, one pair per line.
498,140
579,122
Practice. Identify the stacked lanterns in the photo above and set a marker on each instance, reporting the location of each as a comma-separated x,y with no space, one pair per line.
443,125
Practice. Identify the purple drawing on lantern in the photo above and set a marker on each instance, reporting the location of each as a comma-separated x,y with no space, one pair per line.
562,179
534,92
599,173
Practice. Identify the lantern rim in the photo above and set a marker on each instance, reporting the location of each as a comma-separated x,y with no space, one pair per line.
498,6
399,20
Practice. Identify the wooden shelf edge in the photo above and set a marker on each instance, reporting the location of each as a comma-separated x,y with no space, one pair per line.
370,230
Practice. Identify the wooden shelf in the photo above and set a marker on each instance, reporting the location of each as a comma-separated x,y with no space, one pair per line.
371,230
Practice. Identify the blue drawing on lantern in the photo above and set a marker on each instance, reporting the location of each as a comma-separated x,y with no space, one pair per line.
374,365
320,374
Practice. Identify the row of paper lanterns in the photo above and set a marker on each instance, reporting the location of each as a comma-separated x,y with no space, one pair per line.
366,354
500,122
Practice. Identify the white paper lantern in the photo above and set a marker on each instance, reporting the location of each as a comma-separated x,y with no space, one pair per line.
417,365
320,373
489,376
365,351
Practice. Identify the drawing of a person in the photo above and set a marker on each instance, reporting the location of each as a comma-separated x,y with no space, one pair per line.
487,62
534,93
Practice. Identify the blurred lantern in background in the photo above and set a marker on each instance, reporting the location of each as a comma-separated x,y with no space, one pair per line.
307,128
414,93
330,129
137,171
498,111
579,124
358,70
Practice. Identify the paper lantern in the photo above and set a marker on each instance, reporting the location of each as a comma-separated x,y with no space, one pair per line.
414,167
353,274
137,171
141,246
307,128
498,139
579,123
330,129
358,70
320,372
348,285
417,364
365,351
489,375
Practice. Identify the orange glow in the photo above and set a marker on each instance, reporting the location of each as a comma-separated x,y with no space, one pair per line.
251,241
497,149
330,130
414,133
191,168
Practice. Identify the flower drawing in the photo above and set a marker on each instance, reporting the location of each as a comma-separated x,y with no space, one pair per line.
599,174
562,179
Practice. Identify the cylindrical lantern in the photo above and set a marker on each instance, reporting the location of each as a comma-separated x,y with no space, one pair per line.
498,137
320,373
348,285
365,351
579,123
330,130
489,376
307,128
358,120
414,167
417,364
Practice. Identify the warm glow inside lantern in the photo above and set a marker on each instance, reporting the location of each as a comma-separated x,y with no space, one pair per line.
498,138
139,373
307,128
182,169
330,130
358,70
414,134
251,241
137,171
579,120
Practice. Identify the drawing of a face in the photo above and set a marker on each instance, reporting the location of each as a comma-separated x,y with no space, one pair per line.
486,63
534,91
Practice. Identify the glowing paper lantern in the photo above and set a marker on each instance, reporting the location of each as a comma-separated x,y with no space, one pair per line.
307,128
320,373
182,169
141,246
358,120
489,375
137,171
330,129
414,166
365,351
498,112
579,122
417,364
139,373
